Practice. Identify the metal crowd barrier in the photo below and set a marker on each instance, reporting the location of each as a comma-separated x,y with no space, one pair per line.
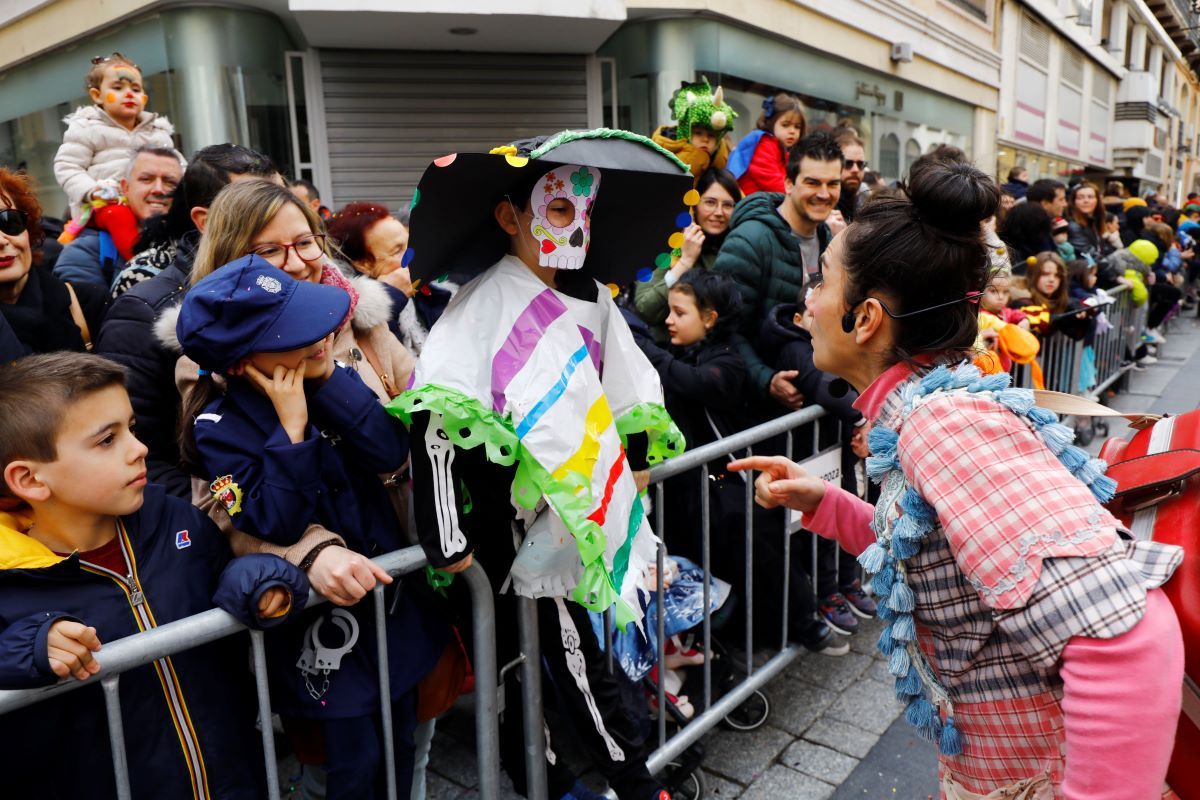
141,649
669,749
1061,357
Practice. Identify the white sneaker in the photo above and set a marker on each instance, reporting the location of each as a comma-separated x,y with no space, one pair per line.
1146,361
1152,335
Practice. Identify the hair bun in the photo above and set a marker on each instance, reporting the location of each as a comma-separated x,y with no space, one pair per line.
952,195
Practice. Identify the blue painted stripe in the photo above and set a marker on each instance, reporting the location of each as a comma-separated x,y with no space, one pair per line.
556,391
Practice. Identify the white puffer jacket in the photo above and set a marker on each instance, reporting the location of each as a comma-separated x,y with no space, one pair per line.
96,148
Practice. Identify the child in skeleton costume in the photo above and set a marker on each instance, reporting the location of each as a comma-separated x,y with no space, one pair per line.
531,412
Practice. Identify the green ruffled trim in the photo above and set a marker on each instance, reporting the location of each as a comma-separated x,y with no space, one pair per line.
466,421
469,424
666,441
604,133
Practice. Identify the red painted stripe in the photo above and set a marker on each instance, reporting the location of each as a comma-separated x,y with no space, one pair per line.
614,472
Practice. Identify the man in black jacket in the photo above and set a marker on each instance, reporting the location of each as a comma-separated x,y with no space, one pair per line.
128,335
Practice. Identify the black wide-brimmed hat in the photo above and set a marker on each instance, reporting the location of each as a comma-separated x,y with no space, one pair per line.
644,195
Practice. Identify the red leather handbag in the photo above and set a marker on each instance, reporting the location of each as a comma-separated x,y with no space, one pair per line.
1157,472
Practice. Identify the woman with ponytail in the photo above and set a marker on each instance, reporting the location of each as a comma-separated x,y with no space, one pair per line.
1025,630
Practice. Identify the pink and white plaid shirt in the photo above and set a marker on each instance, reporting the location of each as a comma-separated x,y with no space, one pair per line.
1024,561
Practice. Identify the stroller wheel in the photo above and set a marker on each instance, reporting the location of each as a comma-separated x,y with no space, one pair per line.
750,714
684,785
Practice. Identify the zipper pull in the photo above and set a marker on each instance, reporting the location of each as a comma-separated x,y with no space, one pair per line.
135,591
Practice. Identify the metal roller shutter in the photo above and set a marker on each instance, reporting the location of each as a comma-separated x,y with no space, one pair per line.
389,113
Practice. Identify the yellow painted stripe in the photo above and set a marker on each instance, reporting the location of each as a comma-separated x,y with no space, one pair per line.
583,461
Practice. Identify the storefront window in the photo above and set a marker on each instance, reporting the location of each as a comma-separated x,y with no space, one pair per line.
216,73
889,156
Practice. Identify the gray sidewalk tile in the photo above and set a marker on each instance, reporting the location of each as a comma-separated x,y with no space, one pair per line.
781,782
718,787
820,762
871,705
745,755
841,736
795,705
830,672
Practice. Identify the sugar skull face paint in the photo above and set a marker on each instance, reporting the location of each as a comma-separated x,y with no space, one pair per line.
561,203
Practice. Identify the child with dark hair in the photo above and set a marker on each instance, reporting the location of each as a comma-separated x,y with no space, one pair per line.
759,161
1046,284
785,340
703,375
89,553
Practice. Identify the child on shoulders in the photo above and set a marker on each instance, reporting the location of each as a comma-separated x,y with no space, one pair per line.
98,144
90,554
759,161
703,119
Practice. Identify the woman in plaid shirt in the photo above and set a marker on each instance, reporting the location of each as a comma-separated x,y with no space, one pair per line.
1026,630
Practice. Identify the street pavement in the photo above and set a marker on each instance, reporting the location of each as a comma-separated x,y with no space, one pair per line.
835,730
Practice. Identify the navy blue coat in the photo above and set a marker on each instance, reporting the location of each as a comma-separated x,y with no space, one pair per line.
89,259
128,337
274,489
59,748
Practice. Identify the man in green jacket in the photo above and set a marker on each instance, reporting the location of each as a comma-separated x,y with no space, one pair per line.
774,246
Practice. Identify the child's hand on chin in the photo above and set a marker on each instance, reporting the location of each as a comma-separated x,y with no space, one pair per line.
69,647
285,388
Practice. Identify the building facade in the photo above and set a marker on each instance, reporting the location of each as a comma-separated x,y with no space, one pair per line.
359,95
1102,89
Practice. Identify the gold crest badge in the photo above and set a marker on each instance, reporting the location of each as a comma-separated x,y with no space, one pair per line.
227,493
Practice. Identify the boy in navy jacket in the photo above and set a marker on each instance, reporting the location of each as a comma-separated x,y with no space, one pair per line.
90,554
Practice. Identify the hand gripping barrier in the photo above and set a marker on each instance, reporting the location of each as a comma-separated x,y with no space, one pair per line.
140,649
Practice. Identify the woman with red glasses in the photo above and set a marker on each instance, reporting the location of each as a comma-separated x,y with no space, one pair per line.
43,312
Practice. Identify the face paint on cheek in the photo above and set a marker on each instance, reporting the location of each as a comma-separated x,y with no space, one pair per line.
110,98
143,98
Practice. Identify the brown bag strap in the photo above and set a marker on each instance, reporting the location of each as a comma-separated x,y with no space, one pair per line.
1069,404
372,357
80,321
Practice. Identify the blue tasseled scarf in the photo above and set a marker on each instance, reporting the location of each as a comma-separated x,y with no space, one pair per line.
916,685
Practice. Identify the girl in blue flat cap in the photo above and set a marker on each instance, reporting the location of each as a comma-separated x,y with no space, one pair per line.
298,440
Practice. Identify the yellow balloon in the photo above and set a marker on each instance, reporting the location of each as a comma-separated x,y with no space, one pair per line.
676,240
516,161
692,198
616,290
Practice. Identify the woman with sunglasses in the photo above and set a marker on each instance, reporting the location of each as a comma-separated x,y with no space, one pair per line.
45,313
1024,627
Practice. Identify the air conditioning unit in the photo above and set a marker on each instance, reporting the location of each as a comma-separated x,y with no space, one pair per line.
902,51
